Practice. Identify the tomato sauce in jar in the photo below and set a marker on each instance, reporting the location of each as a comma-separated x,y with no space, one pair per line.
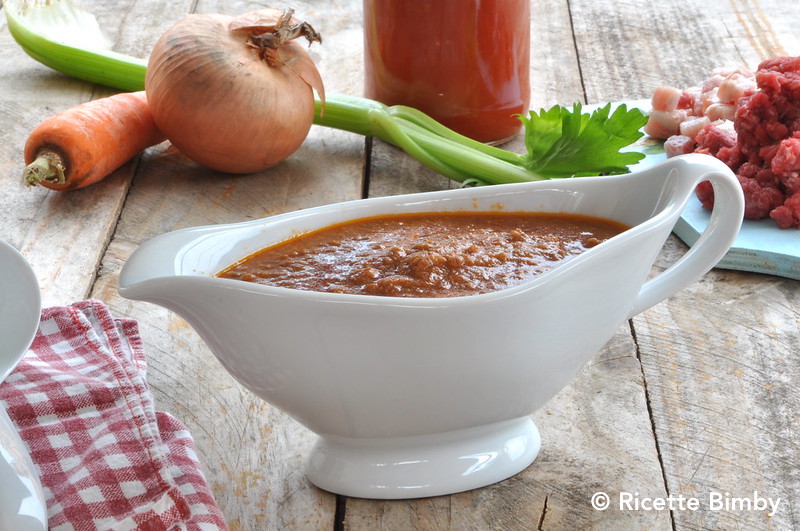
466,63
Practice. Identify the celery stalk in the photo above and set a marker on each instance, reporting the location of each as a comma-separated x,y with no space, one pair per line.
61,35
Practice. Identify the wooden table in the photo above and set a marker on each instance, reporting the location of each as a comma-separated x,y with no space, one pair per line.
696,396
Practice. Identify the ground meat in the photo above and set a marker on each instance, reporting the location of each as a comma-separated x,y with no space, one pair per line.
779,78
788,214
763,145
712,138
719,141
786,163
758,123
705,193
759,200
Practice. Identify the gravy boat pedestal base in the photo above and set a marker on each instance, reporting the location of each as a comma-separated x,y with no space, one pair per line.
425,465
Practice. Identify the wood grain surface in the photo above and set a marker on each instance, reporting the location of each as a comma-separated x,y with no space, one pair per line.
696,396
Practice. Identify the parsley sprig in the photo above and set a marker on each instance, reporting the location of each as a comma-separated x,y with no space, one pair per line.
566,143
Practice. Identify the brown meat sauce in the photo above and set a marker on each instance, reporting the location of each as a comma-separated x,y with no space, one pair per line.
425,255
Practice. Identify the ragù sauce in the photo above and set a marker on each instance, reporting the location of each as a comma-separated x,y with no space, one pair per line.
425,255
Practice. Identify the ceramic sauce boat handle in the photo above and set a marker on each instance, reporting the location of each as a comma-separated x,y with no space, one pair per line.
723,226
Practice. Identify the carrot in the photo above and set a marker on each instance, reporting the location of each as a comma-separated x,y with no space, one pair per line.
84,144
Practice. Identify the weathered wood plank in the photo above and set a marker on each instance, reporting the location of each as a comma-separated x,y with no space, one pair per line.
555,73
720,385
252,453
721,365
586,447
628,48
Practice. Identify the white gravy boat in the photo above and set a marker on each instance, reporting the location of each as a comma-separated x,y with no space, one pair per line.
416,397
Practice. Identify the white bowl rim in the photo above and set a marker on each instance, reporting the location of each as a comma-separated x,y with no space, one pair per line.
20,307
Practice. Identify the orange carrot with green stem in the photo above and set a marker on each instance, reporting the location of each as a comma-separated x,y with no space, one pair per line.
86,143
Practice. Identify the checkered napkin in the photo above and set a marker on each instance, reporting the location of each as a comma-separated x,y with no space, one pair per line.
105,457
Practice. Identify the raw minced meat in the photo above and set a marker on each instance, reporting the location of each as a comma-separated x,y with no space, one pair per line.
788,214
752,123
786,163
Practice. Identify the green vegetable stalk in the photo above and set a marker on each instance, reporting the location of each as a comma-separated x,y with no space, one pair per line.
65,37
560,142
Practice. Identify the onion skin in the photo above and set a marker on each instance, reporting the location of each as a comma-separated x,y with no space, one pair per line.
221,102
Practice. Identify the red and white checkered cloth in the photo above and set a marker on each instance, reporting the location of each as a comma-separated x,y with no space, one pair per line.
105,457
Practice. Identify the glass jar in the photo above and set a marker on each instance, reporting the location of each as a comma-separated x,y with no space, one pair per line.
466,63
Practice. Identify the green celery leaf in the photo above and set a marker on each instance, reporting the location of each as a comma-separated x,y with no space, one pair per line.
567,143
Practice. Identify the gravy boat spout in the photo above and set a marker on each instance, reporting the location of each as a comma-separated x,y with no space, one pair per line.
417,397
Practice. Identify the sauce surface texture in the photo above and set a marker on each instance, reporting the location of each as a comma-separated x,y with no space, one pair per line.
425,255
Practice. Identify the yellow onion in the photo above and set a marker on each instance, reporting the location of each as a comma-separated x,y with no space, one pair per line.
235,94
